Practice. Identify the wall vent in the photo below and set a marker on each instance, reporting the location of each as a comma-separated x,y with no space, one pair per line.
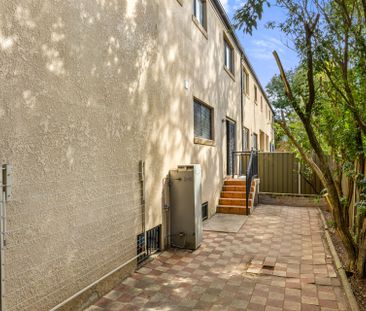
153,237
205,211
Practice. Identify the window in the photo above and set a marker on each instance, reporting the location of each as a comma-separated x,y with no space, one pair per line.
255,94
199,11
203,120
255,141
228,56
261,103
245,139
245,82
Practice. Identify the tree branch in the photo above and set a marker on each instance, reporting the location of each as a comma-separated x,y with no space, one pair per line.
309,30
288,89
301,150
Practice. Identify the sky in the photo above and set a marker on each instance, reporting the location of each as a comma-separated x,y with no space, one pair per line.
260,45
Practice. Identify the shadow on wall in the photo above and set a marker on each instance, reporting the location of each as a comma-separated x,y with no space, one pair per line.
78,81
89,88
171,134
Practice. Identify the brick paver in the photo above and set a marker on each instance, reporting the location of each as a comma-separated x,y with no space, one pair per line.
277,261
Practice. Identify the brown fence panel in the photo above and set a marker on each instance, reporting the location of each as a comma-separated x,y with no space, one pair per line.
310,184
281,172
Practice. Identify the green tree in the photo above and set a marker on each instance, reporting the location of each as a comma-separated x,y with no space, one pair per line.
321,105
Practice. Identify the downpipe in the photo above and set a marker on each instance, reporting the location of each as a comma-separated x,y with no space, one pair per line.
2,255
166,206
6,181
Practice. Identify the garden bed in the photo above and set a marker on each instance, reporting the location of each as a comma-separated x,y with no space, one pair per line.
358,285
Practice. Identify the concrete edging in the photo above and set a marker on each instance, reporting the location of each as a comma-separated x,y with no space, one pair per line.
291,199
346,285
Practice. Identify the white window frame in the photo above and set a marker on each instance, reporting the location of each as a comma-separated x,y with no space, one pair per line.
200,12
228,56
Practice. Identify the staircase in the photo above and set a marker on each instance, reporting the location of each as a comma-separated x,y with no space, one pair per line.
233,197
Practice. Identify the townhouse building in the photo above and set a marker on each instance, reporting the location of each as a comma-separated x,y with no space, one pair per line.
100,99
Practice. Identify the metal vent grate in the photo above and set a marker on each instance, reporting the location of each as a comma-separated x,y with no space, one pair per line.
152,243
205,211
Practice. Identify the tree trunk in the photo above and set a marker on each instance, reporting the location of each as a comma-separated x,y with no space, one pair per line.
324,165
334,198
361,260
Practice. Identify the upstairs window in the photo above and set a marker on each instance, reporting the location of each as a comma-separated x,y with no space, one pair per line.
228,56
261,103
255,94
245,82
203,120
200,11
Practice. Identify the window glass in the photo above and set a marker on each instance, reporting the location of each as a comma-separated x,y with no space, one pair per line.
199,11
255,93
245,82
228,56
202,121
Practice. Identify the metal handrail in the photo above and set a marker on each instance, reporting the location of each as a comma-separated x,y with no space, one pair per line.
251,170
234,154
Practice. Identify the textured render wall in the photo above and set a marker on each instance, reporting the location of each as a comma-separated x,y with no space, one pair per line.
185,54
77,80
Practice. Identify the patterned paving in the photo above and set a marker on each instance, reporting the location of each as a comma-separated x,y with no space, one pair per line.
277,261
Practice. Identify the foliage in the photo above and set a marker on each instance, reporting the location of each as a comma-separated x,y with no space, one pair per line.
320,105
251,12
331,224
361,204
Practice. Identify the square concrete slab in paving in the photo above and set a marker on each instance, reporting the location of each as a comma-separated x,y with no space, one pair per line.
224,223
277,261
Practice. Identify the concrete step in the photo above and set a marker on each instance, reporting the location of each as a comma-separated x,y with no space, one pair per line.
232,188
235,182
230,201
235,202
235,194
232,209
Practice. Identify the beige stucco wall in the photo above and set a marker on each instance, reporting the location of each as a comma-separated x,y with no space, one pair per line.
77,78
188,58
90,88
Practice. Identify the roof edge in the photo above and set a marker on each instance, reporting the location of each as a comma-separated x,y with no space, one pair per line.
227,22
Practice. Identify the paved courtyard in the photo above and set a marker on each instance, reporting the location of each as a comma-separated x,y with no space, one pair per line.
277,261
